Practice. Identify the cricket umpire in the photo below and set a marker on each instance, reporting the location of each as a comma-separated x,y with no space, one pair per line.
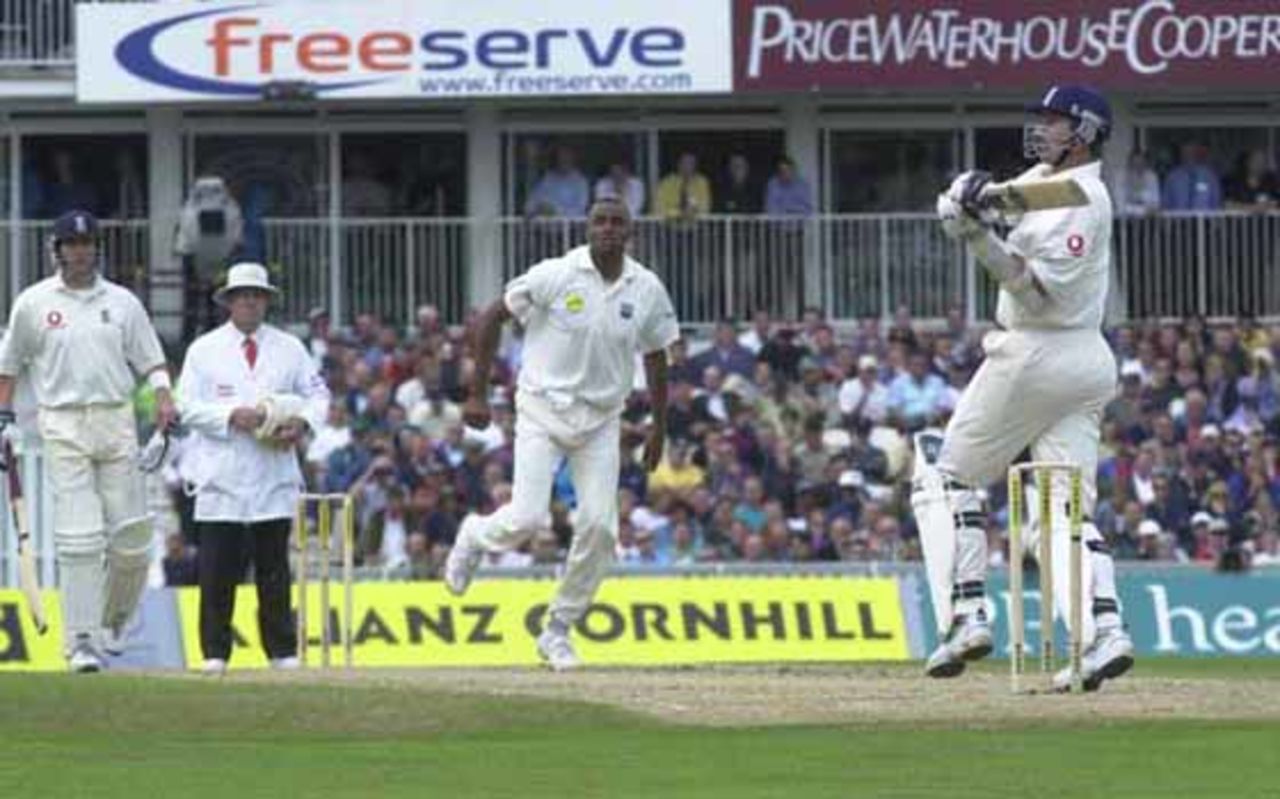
248,393
85,342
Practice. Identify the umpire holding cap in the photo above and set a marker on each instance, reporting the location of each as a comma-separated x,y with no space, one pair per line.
248,393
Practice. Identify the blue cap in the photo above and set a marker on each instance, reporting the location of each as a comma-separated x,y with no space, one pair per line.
1081,103
75,224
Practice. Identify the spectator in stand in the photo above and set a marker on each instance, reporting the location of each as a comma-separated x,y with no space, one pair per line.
317,338
620,184
562,191
1193,185
712,406
363,193
738,193
726,353
1137,188
1253,186
788,193
677,474
685,193
916,397
759,333
783,353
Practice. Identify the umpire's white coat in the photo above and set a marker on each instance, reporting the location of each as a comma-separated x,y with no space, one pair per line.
236,477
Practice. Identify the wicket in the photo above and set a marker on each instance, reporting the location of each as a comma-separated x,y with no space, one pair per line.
1044,473
324,504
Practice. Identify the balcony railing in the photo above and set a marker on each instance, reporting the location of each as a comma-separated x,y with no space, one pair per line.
40,33
1177,265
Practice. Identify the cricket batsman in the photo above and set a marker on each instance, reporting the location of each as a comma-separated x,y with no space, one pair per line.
1048,374
85,342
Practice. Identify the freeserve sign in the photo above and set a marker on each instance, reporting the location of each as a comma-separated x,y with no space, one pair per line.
180,52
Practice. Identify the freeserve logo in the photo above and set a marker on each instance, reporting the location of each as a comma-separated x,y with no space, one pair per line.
353,50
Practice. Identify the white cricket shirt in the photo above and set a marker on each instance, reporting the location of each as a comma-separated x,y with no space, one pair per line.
1069,249
581,335
81,346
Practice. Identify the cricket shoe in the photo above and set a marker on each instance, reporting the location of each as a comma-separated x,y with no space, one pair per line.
557,651
1110,656
84,658
968,639
287,663
464,558
114,641
214,667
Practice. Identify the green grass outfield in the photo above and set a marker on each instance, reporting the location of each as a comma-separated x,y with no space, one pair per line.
150,738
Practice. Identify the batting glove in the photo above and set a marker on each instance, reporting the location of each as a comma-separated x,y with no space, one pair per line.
956,224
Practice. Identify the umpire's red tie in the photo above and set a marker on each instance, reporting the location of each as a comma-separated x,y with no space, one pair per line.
251,351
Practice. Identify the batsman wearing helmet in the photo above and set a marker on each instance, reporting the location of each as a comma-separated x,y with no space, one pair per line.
85,342
1048,374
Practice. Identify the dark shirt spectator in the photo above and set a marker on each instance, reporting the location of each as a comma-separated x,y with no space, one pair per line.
738,193
1253,186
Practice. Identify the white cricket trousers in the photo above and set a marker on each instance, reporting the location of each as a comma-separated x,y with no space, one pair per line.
91,458
1045,389
591,440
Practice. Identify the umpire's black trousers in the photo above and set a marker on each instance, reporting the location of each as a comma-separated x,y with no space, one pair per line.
226,549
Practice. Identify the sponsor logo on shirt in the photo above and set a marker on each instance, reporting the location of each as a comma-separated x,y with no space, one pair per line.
225,390
574,303
54,320
627,310
106,316
1075,244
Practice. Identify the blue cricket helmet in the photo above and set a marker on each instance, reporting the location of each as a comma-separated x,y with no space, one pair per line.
1084,104
75,225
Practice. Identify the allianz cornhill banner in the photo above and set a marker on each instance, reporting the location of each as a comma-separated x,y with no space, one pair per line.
1186,611
634,621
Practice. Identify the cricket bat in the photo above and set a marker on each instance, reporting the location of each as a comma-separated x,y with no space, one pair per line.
27,579
1035,195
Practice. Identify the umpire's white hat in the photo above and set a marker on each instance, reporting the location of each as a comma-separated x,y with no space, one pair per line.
246,275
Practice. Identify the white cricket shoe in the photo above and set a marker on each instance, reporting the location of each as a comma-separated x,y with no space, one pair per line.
968,639
114,642
556,649
1110,656
214,667
84,658
464,558
289,663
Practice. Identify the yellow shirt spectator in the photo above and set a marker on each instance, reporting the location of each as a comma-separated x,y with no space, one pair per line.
676,474
684,193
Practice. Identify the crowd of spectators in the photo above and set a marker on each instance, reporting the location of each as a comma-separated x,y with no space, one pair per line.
1194,184
789,442
684,193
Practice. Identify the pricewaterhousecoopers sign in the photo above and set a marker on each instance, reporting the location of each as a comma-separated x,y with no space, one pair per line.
782,45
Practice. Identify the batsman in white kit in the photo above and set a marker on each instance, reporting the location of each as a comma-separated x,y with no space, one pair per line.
1047,376
585,316
85,342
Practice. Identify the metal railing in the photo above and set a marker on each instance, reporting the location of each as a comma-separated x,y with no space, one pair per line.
40,33
858,265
